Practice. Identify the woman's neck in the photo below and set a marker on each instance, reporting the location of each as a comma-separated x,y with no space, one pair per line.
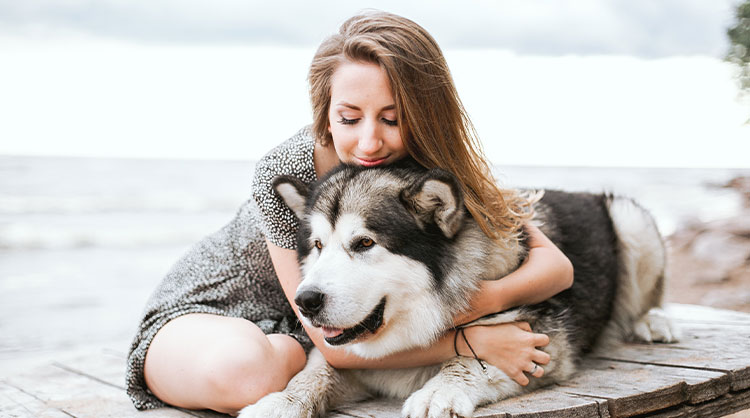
324,158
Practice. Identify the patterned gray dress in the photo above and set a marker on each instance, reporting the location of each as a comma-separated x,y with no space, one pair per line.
230,272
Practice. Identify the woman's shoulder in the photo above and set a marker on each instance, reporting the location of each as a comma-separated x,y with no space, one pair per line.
292,157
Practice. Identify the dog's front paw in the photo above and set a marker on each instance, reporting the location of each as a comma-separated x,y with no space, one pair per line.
656,326
276,405
438,402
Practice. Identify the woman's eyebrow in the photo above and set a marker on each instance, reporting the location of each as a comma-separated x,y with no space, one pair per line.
354,107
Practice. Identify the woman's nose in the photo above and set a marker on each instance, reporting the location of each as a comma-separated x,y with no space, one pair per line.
369,140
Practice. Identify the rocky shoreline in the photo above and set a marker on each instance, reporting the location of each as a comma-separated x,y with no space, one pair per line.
709,263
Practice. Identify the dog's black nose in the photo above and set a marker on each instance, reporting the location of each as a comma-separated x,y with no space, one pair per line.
310,302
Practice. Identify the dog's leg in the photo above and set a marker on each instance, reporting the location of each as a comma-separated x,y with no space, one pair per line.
311,393
656,326
458,389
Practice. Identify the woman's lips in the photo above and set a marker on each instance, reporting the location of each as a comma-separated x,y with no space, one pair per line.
370,162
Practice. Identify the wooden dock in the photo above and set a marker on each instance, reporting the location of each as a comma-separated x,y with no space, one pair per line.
706,374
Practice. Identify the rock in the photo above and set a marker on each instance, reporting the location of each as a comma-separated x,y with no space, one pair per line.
709,262
723,250
742,185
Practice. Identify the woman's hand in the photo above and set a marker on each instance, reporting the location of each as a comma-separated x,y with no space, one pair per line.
512,348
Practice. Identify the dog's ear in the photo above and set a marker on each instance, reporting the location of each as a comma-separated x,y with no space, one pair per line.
292,191
436,199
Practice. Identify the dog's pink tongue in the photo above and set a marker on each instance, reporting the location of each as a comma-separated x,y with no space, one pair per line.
331,332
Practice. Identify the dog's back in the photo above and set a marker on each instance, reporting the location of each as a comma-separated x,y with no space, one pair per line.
619,260
580,225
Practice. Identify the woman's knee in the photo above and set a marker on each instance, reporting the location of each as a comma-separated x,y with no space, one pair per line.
241,373
228,362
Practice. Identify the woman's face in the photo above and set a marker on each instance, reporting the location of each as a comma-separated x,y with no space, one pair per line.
362,116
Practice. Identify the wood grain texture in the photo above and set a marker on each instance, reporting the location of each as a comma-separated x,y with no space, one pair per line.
717,347
706,374
725,405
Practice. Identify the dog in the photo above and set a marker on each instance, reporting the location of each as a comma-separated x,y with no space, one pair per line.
389,256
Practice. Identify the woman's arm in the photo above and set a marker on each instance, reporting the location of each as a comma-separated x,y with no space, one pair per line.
545,273
510,347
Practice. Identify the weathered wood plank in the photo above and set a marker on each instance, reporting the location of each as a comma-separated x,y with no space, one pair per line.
108,366
80,396
717,347
699,385
337,414
547,403
725,405
379,408
16,403
632,389
697,314
105,364
706,374
541,403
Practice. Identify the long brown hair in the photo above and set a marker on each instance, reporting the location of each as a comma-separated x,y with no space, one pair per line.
435,127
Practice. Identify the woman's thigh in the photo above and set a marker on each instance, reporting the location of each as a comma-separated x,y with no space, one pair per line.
203,361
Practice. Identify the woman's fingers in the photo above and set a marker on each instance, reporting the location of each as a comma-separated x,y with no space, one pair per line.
540,357
536,370
521,379
540,340
533,369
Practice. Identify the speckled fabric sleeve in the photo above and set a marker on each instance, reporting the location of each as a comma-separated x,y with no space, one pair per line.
295,158
230,272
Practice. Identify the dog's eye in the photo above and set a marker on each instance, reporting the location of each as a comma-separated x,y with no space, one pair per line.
362,244
318,244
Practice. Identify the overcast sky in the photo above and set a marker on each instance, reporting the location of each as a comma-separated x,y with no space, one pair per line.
576,82
645,28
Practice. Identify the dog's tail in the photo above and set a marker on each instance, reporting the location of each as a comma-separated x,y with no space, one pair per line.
641,279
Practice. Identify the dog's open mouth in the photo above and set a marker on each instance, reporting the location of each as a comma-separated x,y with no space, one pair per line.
372,323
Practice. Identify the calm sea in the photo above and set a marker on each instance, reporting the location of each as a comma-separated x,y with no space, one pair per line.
84,241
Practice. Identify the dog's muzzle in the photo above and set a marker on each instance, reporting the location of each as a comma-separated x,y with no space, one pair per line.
311,302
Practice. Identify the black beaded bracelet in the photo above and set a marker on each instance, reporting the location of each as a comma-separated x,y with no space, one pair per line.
455,347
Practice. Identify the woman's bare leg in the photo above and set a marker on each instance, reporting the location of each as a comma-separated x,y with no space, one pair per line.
202,361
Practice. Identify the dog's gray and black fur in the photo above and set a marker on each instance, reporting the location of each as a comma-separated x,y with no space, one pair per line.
390,256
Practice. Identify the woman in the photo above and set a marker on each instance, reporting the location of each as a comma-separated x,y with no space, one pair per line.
221,330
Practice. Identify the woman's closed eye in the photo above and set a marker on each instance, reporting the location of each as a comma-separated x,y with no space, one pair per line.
345,121
389,122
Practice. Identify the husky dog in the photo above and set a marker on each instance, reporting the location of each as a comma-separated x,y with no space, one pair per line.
390,255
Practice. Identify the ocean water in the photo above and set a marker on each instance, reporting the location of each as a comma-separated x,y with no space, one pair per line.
83,241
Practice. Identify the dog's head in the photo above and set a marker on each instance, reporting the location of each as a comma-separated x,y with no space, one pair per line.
374,246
